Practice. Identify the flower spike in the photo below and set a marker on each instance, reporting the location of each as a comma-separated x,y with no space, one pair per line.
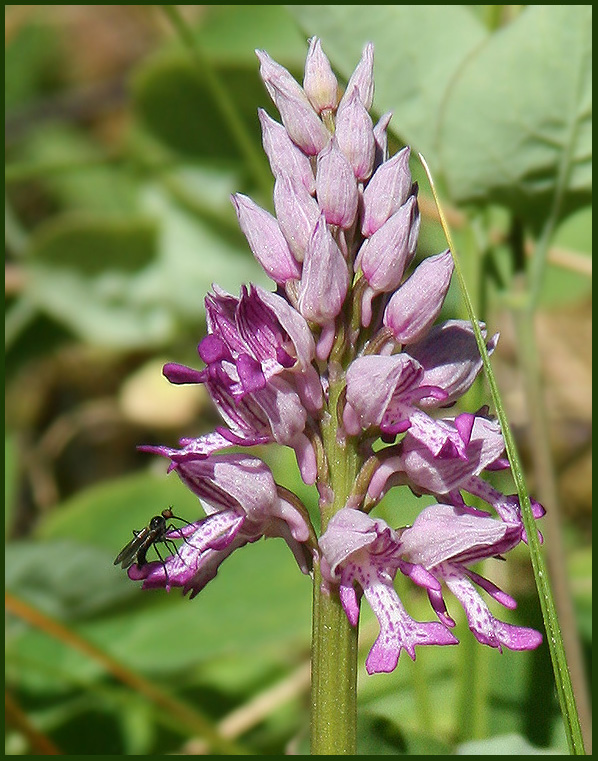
347,361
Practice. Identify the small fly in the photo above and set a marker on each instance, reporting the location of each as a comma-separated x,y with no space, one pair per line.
136,550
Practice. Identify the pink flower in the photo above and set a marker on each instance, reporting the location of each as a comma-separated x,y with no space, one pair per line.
444,541
364,552
384,394
242,505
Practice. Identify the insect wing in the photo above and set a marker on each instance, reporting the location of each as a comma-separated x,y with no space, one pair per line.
141,541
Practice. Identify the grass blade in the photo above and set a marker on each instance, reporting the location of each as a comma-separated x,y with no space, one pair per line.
553,631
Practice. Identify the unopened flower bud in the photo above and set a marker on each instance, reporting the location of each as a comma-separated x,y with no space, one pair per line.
284,156
297,213
319,83
266,240
303,124
417,303
362,79
355,136
386,191
384,256
325,277
275,76
336,186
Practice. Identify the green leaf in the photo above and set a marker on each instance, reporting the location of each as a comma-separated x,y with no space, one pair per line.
173,96
87,274
31,59
75,170
129,283
105,515
64,578
96,245
418,51
517,122
506,745
177,107
233,32
195,253
258,604
259,601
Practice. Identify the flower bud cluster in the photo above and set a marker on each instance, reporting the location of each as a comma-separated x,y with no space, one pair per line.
349,309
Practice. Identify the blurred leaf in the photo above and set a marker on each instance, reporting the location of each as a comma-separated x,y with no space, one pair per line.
380,737
177,106
396,699
172,95
259,599
30,59
64,578
105,515
88,274
85,183
233,32
258,603
128,283
566,286
377,736
40,338
418,51
87,725
94,246
517,122
507,745
196,253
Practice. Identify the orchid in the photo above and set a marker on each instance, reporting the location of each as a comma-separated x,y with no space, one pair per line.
345,362
444,540
366,552
235,517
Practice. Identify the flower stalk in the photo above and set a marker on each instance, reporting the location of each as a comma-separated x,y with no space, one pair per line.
334,639
334,675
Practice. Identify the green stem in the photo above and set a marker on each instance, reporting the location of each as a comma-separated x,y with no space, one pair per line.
473,691
548,495
334,676
334,640
546,486
554,637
